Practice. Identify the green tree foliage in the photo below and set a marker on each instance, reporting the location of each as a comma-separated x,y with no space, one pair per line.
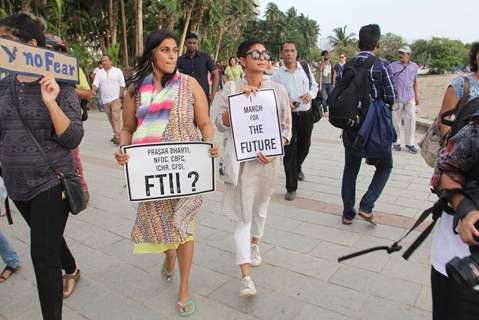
440,54
390,43
278,27
342,38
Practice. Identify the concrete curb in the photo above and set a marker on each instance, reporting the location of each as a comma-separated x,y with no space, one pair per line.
423,124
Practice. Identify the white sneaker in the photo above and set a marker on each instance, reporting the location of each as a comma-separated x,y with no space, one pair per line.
247,287
255,255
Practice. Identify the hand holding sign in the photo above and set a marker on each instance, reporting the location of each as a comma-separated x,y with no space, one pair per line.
168,170
122,158
255,125
50,89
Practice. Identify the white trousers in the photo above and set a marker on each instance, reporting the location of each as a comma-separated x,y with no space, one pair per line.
408,112
243,234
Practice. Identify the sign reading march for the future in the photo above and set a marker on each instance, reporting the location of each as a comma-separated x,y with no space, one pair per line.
255,125
35,61
168,170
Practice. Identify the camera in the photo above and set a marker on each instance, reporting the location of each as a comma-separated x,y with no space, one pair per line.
465,271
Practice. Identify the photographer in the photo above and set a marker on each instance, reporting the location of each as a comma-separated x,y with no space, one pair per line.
458,168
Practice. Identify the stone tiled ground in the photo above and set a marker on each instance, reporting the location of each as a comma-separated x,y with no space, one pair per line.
300,278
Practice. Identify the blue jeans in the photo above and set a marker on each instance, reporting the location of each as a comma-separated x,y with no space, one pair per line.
99,101
8,254
352,164
326,91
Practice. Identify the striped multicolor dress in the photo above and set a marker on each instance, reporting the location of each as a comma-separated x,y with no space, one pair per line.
165,116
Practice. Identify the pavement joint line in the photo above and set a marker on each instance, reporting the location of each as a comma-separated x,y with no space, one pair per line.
383,218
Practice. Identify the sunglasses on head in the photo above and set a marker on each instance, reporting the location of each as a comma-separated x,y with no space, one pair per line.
256,54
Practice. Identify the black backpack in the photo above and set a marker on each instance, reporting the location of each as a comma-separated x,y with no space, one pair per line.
316,101
350,98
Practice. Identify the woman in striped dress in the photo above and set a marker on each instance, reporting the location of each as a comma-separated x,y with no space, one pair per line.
163,105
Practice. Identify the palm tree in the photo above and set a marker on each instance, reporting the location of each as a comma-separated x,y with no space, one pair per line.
342,37
232,16
124,34
273,14
187,10
139,27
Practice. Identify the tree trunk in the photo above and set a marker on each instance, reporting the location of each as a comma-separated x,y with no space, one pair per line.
197,21
110,20
139,28
171,22
185,30
103,45
218,42
123,31
114,26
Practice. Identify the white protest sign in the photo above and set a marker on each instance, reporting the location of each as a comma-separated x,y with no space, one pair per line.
168,170
255,125
35,61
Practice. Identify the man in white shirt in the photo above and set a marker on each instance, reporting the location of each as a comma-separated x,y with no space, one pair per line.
294,78
98,92
111,83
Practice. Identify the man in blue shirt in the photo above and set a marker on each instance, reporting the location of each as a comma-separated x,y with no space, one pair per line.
381,89
294,78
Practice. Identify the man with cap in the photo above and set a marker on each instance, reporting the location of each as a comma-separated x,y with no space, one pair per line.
404,73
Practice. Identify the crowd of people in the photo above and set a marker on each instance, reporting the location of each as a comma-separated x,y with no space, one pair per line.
168,99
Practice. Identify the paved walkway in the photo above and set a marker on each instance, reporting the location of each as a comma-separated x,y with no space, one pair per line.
299,279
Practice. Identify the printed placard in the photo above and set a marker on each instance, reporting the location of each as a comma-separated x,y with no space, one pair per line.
35,61
255,125
168,170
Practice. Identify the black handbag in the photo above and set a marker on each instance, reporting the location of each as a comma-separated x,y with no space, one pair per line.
316,102
72,189
317,107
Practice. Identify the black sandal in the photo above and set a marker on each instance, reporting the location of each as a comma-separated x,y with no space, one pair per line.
11,270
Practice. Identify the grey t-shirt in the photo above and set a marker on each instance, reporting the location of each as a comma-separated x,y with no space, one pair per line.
25,172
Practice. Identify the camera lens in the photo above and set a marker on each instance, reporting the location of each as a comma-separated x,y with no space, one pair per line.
464,271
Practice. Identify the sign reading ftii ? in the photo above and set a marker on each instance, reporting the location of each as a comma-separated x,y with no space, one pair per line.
168,170
35,61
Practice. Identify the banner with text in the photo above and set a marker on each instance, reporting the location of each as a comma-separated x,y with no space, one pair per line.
35,61
168,170
255,125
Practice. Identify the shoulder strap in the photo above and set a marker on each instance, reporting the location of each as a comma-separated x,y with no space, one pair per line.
465,93
30,134
305,67
8,211
460,105
397,74
435,210
368,63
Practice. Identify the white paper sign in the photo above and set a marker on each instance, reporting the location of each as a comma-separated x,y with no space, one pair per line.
168,170
255,125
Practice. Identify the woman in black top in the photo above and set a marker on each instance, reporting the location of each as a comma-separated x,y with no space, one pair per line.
52,113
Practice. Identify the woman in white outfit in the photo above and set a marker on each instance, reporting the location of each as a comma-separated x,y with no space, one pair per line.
246,201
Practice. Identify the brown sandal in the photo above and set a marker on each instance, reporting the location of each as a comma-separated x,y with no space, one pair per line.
4,276
346,221
66,283
368,217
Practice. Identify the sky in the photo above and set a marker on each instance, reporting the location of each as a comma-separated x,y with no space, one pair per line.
412,19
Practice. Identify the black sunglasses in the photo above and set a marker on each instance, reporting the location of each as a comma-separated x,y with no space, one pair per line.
256,54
